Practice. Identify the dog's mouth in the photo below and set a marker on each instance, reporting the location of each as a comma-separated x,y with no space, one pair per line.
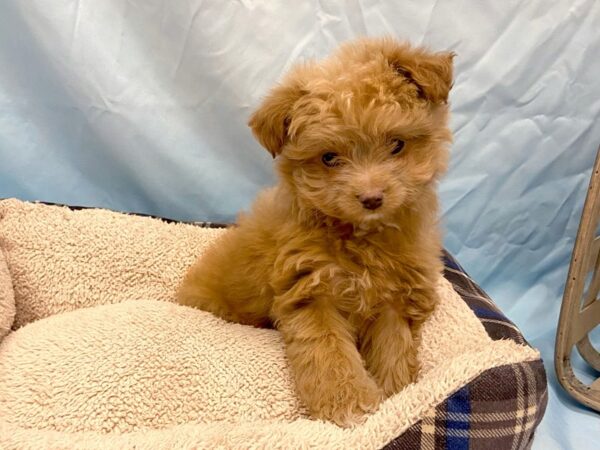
370,221
377,221
353,219
374,216
367,224
373,222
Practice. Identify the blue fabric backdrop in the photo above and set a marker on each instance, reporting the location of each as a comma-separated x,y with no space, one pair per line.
141,105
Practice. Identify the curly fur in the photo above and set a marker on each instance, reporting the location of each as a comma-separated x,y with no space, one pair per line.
348,287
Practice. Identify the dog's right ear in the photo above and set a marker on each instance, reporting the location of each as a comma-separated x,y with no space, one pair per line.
271,120
430,72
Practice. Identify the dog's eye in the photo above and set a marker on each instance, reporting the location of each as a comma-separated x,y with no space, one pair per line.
329,159
399,145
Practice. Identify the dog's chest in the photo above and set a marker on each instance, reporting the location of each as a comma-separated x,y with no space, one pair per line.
367,280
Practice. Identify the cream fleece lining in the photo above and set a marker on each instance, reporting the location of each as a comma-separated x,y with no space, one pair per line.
154,374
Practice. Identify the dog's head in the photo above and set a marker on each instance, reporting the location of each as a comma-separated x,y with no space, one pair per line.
363,134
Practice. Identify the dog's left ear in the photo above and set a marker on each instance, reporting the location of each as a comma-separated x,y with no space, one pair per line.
270,121
430,72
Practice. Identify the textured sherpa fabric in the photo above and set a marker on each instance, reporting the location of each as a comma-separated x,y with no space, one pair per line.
61,260
142,365
97,362
7,299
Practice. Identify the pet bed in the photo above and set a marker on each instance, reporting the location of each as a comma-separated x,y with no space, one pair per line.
95,354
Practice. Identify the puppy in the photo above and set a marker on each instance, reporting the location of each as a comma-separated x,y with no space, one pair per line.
344,253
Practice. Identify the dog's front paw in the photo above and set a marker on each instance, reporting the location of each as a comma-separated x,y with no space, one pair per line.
345,402
393,376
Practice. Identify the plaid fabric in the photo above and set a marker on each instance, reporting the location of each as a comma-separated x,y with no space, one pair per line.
498,410
501,408
494,321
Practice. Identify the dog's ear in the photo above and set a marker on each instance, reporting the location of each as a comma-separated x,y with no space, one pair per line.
269,123
430,72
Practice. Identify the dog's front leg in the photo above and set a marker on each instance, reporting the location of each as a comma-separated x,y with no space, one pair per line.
389,349
329,372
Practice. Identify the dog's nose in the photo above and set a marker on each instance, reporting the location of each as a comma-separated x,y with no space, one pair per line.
371,201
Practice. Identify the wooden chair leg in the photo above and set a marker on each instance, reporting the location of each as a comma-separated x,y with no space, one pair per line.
580,311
